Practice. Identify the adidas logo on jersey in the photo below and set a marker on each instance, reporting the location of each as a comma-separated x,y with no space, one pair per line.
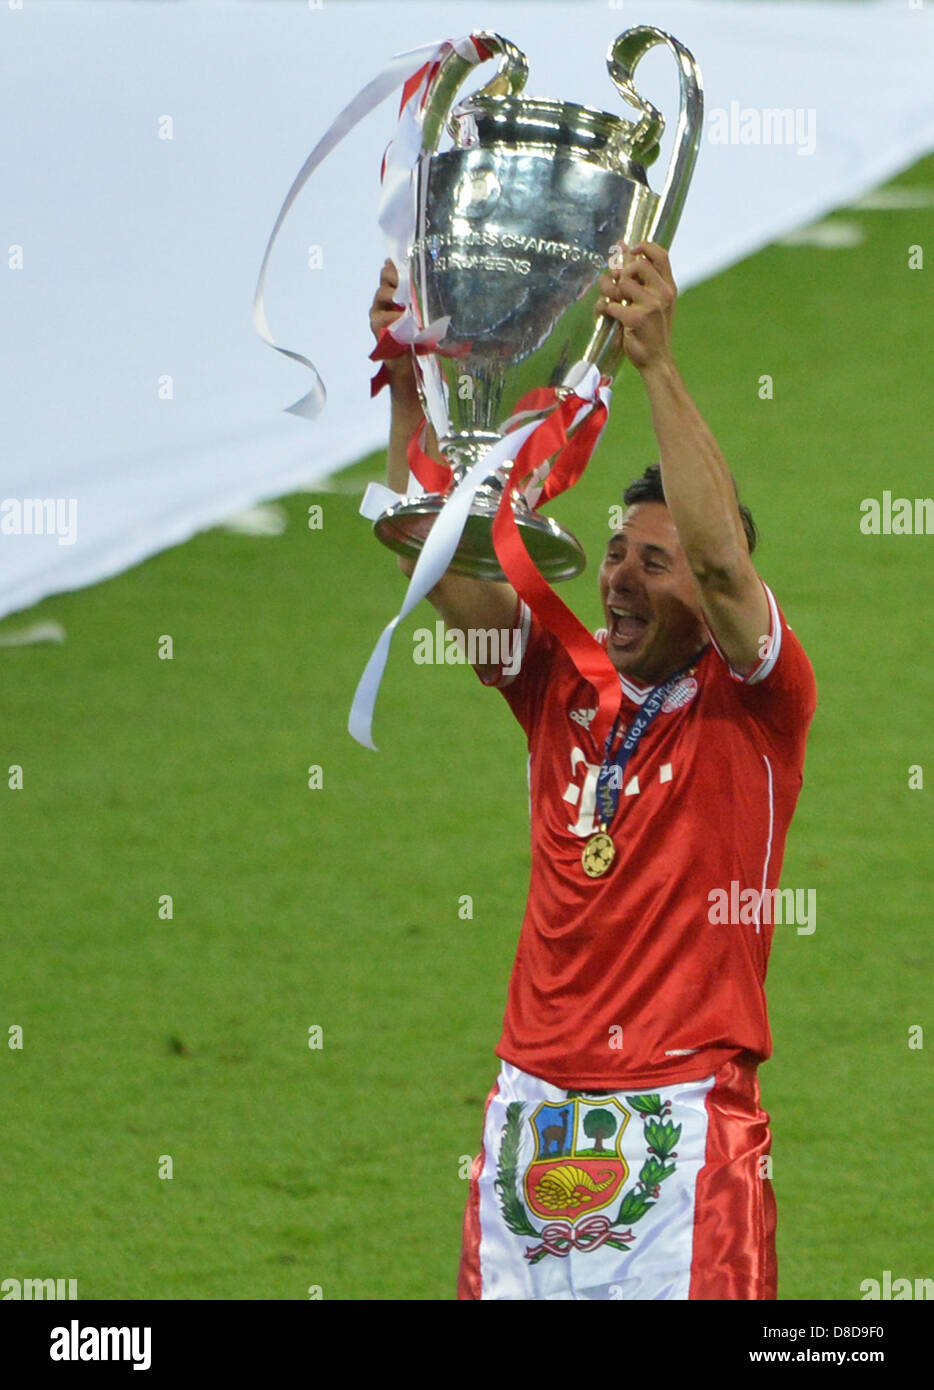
582,717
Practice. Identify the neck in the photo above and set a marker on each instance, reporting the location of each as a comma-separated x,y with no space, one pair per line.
656,675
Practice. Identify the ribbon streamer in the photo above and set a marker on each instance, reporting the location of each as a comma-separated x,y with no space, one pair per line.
411,71
433,476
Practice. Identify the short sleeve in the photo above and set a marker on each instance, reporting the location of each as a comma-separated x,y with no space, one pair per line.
781,690
523,675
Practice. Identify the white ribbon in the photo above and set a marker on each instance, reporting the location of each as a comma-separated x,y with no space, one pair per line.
401,159
398,217
405,330
378,499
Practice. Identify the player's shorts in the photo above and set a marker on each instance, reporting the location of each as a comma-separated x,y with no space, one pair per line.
661,1194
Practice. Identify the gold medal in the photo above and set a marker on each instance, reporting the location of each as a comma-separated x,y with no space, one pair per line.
598,854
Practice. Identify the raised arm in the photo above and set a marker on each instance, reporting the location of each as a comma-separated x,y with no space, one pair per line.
699,490
463,603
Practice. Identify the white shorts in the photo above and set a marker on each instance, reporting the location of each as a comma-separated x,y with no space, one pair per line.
661,1194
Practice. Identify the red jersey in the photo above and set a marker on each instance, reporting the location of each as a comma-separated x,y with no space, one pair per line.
625,979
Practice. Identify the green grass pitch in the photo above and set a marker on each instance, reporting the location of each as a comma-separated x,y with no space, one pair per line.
341,1167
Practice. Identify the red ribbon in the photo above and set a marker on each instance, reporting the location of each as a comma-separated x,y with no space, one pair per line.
381,379
590,659
575,456
428,71
433,476
412,85
576,452
539,398
387,348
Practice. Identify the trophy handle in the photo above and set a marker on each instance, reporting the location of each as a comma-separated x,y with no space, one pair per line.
508,80
622,59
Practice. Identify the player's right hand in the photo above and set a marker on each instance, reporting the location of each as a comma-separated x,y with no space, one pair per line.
384,311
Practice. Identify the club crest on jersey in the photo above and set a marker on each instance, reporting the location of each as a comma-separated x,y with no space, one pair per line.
562,1163
680,695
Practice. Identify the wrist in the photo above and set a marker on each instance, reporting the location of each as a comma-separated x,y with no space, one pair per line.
403,387
660,373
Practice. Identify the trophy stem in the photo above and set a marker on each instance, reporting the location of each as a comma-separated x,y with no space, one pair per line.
462,451
405,526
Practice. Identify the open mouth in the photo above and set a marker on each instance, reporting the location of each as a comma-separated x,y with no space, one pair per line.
626,628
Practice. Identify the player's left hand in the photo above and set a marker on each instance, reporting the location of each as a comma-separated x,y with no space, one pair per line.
640,294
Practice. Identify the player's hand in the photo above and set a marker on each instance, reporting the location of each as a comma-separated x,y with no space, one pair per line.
384,311
640,294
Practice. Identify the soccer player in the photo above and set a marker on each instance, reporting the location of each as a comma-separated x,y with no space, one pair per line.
625,1149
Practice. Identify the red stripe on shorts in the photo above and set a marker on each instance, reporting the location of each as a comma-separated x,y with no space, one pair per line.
468,1275
734,1206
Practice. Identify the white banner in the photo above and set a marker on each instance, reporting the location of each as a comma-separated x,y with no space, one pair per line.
149,147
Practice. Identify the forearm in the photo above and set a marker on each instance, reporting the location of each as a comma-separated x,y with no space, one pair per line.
406,415
698,487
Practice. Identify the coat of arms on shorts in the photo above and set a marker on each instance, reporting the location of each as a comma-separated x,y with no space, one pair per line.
578,1166
575,1178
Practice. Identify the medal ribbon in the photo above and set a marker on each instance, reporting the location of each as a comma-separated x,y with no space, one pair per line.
610,778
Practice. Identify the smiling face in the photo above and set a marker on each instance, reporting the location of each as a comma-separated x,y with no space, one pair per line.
650,600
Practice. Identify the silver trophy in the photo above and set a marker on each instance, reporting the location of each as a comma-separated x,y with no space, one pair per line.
514,226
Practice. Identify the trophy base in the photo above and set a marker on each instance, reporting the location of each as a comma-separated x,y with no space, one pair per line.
405,527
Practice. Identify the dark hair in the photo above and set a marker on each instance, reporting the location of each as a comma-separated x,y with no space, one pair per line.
649,488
